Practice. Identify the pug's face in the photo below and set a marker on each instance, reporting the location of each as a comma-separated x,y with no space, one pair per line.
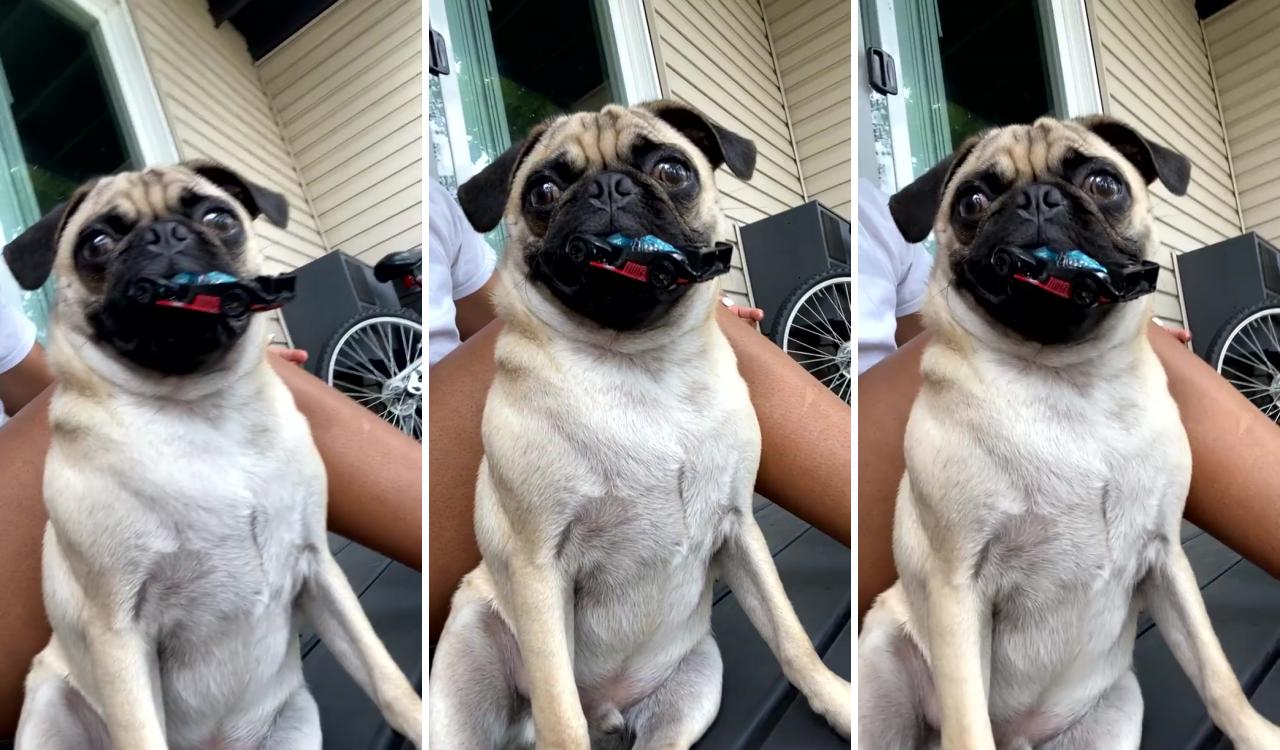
1065,185
192,218
644,170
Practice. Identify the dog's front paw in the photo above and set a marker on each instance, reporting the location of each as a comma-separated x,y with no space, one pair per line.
405,715
833,701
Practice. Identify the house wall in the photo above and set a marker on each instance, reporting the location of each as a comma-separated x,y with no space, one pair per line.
216,109
1246,61
812,48
716,56
347,93
1155,73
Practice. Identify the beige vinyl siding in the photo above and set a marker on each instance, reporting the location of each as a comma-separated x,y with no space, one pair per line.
715,55
812,45
216,109
1246,61
1153,65
347,91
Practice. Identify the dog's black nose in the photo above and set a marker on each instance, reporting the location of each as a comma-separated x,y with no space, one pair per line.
612,190
168,236
1041,201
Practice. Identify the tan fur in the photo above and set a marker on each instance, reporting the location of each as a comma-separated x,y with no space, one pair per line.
591,433
189,511
1069,465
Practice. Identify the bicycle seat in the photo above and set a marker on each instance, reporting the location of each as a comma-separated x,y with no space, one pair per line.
397,265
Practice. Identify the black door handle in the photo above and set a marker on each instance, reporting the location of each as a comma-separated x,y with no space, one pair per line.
881,72
438,63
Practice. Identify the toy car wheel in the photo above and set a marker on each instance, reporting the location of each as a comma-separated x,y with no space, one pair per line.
1084,291
144,291
1002,262
576,250
662,274
235,303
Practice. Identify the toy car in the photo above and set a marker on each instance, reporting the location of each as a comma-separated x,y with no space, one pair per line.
215,292
1074,275
648,259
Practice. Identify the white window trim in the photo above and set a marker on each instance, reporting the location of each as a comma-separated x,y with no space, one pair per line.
135,90
1077,68
639,66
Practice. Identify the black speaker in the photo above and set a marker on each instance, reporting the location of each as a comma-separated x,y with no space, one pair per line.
783,250
1219,279
331,290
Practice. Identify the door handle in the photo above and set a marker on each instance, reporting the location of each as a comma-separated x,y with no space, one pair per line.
882,74
438,63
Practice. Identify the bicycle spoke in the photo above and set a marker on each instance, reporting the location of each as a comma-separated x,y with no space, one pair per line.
1252,356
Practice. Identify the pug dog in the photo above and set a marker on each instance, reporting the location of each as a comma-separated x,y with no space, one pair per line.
1047,467
186,500
620,452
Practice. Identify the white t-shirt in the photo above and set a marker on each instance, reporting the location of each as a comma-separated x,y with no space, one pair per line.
460,263
892,276
17,337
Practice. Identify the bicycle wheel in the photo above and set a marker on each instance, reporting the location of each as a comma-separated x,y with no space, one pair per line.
814,328
376,359
1246,351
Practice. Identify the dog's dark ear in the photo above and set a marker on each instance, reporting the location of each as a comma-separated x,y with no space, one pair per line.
719,145
31,254
484,197
1154,161
915,207
256,199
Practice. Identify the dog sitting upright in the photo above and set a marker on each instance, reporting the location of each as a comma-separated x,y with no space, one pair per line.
620,453
186,536
1047,468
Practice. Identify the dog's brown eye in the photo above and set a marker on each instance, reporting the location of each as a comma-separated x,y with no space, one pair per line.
671,173
220,221
544,194
97,245
972,205
1103,186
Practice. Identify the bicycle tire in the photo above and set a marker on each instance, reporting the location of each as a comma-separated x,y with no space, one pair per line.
398,412
838,333
1246,351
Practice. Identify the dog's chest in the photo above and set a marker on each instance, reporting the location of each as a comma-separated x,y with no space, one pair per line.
638,473
1090,478
662,476
229,509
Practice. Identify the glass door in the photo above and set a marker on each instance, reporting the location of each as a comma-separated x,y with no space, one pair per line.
512,64
60,123
960,72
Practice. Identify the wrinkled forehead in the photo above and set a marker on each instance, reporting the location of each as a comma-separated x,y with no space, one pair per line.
591,141
1026,153
147,195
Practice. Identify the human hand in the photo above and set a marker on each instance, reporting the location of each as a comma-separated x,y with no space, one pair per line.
1181,334
752,315
294,356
